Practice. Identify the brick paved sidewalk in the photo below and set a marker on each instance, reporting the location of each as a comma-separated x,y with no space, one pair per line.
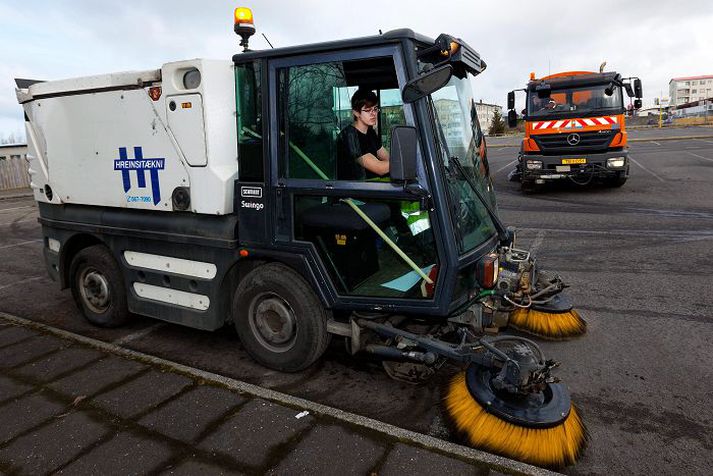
69,407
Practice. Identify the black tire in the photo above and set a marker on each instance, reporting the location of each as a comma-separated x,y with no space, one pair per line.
617,181
279,319
529,186
98,287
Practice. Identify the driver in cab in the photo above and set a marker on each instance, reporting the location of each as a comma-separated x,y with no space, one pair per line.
360,153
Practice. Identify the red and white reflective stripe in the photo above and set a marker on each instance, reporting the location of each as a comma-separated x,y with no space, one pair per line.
572,123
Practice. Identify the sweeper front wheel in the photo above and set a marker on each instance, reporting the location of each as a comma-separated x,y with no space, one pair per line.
541,428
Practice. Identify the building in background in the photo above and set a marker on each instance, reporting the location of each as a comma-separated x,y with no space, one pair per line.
688,89
485,114
13,166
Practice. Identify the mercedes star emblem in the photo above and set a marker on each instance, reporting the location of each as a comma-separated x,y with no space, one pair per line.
573,139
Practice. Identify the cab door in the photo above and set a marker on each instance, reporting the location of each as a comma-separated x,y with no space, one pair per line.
371,241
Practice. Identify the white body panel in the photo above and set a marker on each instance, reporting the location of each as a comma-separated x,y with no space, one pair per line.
169,265
87,136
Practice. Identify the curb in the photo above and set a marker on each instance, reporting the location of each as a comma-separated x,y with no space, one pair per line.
495,462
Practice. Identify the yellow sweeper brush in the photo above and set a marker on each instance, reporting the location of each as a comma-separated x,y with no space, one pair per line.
532,422
548,325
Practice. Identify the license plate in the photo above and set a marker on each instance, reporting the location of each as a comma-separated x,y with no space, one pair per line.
574,161
562,168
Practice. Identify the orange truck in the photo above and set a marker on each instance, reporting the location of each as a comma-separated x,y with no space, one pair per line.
574,128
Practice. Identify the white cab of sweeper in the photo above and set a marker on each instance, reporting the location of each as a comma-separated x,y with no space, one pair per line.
133,139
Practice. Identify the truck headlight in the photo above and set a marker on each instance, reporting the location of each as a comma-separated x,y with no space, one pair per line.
533,164
616,162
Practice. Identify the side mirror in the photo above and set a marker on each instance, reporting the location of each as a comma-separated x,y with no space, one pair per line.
511,100
512,119
637,103
638,90
402,160
427,83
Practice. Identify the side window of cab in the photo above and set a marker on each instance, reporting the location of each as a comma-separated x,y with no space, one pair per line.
316,112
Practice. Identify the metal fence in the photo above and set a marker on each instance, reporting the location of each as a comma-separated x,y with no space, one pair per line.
13,173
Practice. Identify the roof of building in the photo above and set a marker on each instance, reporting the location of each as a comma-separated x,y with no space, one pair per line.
481,103
689,78
7,146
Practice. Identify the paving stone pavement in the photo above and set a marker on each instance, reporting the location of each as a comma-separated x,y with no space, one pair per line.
67,408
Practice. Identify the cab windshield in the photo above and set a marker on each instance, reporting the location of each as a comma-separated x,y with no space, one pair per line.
583,100
461,142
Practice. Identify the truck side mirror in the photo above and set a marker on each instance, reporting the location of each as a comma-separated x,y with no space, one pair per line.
402,160
638,90
511,100
512,119
427,83
637,103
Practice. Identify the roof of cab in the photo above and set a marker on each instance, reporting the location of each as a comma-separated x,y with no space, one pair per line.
390,37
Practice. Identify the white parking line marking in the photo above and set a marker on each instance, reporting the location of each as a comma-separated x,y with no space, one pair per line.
22,243
708,141
699,156
138,334
505,166
654,142
15,208
644,168
22,281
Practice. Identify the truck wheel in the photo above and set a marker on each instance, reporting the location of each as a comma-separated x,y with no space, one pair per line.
279,319
528,186
98,287
617,181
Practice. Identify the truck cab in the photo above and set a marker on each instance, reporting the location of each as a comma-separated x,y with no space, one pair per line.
574,128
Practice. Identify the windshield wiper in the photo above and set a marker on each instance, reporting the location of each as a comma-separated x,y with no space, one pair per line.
502,231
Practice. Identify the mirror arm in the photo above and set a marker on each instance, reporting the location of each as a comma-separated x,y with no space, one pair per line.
415,188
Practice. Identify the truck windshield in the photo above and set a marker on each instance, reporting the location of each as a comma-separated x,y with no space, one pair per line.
459,135
579,101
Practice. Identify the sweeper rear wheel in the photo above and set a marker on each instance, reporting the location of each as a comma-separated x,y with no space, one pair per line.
541,428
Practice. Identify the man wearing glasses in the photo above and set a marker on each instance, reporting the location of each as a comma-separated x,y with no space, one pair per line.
360,153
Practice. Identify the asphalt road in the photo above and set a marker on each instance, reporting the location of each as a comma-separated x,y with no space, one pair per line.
640,265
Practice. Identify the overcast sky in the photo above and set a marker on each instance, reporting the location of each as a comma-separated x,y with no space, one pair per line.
653,39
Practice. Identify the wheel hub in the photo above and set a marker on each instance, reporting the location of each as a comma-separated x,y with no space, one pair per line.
95,290
273,322
543,409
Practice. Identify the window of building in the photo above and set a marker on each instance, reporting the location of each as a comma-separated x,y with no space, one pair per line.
694,91
701,82
688,83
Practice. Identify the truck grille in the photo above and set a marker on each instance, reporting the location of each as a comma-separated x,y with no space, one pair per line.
593,141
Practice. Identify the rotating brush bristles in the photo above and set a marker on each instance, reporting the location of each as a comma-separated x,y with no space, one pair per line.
553,447
548,325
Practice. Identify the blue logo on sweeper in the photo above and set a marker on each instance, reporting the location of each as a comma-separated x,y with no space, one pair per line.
140,165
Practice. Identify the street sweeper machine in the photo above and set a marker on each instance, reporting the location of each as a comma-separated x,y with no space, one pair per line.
575,128
212,192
